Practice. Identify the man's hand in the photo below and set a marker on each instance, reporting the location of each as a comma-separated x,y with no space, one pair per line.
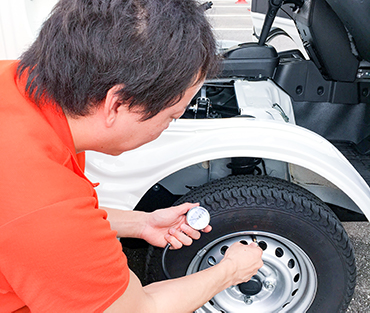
245,260
169,226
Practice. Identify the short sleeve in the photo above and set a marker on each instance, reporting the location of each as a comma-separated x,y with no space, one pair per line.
64,258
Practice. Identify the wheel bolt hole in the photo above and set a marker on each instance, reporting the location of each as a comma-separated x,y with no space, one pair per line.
279,252
291,263
211,261
296,278
223,250
262,245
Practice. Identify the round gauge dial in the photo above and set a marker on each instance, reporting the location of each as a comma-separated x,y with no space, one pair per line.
198,217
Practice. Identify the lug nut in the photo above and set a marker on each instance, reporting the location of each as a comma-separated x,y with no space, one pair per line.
248,300
269,285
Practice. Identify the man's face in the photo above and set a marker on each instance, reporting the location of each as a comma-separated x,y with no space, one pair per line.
131,132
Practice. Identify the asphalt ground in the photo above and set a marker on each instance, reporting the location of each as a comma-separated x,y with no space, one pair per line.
359,233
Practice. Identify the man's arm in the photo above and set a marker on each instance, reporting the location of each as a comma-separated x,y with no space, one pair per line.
128,224
188,293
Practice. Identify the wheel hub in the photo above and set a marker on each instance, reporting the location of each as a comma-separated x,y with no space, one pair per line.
251,287
286,283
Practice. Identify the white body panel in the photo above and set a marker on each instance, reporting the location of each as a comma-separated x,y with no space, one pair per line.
126,178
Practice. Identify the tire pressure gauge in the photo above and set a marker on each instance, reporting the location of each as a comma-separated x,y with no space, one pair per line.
198,218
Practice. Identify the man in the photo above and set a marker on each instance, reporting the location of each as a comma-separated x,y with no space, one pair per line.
108,76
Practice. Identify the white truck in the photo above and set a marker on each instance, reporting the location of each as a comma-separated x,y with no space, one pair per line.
276,148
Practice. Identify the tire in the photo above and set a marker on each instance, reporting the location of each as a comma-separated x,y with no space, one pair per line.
309,265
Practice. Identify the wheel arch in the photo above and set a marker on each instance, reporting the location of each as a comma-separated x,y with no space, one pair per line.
126,178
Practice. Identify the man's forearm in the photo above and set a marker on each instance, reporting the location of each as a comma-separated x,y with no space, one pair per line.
188,293
182,295
128,224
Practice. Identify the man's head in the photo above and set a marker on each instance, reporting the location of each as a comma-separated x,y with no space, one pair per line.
154,50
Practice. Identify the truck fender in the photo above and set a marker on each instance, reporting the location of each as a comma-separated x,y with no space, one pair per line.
124,179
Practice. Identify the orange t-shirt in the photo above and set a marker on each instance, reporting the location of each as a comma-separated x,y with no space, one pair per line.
57,250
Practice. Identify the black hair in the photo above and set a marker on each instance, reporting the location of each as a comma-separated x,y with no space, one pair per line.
155,49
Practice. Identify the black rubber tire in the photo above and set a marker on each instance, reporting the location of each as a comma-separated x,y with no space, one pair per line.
266,204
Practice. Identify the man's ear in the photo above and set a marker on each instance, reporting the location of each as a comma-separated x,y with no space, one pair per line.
111,103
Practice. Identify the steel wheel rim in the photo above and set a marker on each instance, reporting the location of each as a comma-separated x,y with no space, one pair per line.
288,276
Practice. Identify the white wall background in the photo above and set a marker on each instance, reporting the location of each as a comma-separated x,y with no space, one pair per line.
20,21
